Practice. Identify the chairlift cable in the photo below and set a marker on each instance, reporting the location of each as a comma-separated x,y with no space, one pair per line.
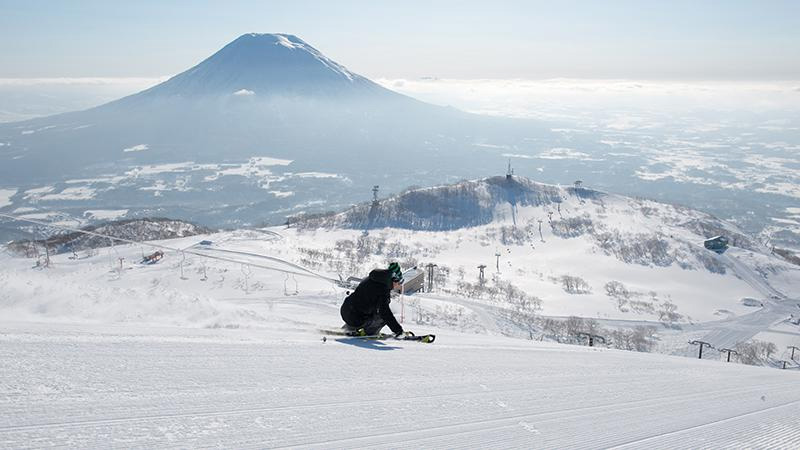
305,273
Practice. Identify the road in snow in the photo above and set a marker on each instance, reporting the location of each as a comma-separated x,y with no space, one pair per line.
728,332
136,386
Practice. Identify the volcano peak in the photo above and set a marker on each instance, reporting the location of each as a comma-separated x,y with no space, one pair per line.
266,64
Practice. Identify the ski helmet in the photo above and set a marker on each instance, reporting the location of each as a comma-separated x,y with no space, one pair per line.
397,274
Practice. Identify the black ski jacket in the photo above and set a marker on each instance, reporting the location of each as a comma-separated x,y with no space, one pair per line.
371,298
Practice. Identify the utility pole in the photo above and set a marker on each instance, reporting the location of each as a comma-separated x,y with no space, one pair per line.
729,351
481,278
540,231
246,272
701,344
47,254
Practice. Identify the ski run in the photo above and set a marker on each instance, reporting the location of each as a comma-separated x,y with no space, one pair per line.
100,351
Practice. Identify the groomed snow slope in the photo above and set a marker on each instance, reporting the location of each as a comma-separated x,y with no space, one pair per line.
127,386
92,357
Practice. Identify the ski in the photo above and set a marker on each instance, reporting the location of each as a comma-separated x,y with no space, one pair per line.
426,338
353,334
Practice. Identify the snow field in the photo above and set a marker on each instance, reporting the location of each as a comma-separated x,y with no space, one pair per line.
96,296
136,386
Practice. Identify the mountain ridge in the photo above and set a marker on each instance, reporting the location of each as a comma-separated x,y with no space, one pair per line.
472,203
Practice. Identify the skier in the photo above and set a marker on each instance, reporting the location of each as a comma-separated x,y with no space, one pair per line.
366,311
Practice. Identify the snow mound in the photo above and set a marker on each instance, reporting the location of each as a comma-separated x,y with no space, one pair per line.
26,298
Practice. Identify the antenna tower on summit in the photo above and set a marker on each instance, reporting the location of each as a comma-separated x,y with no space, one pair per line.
510,171
375,195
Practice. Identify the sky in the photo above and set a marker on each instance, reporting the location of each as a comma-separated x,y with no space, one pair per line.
651,40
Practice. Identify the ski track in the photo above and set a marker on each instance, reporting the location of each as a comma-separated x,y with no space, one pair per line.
742,426
257,389
755,280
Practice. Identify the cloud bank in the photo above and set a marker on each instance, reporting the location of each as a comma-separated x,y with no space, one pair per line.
530,98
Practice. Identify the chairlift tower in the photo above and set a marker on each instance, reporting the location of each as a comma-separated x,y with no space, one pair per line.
729,351
497,254
481,277
430,267
702,344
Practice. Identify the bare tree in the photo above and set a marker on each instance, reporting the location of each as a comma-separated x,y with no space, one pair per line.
755,352
574,285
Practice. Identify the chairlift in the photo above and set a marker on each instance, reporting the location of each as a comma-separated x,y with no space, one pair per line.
153,257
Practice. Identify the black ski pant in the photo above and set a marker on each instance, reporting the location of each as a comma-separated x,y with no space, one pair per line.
372,325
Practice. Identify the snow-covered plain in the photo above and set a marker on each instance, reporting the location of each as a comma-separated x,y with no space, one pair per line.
5,196
199,352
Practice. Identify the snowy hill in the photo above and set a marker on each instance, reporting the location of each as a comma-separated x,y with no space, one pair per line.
480,202
148,229
581,251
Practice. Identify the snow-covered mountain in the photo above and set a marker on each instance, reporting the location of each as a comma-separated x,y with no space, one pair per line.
265,127
279,65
